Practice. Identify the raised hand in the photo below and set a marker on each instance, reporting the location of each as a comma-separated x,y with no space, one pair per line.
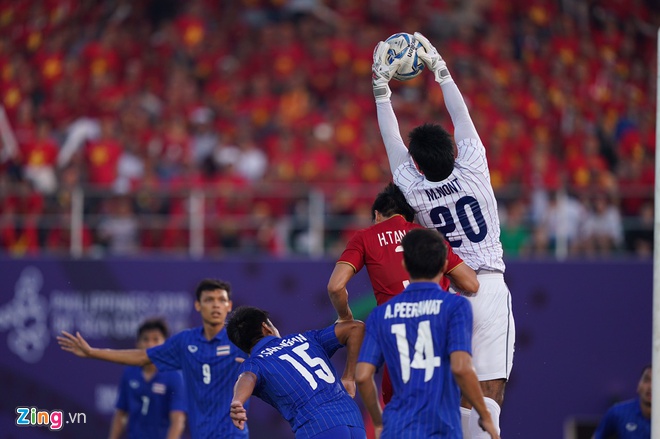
382,72
75,344
433,60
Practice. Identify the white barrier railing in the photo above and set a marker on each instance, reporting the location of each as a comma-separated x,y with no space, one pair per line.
204,222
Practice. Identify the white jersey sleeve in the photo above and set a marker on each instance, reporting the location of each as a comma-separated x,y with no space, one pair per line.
397,153
460,116
463,206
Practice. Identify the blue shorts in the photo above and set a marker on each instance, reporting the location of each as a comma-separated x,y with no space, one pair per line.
342,432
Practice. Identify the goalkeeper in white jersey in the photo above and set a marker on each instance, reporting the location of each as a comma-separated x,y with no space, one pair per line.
450,191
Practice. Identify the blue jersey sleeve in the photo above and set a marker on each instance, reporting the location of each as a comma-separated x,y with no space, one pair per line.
327,338
122,397
249,366
167,356
371,350
253,367
178,399
607,426
460,327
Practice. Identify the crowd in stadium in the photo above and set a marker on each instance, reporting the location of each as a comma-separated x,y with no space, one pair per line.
257,101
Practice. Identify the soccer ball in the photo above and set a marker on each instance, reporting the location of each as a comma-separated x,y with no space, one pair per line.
411,65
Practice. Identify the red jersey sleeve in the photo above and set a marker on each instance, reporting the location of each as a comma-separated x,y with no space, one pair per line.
354,252
453,260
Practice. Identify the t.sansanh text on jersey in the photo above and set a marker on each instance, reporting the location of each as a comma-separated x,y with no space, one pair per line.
295,375
378,247
209,370
414,333
149,403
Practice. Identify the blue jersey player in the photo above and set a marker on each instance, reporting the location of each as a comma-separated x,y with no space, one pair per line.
424,336
294,375
151,404
630,419
208,360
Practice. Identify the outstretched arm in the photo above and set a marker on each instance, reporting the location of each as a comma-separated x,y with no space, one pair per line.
77,345
350,334
458,111
337,290
242,390
397,153
466,378
382,73
460,116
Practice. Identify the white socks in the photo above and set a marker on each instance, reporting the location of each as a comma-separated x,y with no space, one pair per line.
475,432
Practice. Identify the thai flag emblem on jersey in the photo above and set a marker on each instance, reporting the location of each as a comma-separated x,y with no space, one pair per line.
159,388
222,350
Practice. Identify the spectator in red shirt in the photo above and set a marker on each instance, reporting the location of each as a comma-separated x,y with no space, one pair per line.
49,61
636,180
584,162
319,161
102,156
190,26
39,158
285,155
101,56
19,236
173,150
19,222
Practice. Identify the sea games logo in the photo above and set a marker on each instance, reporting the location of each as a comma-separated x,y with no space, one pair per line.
26,317
39,311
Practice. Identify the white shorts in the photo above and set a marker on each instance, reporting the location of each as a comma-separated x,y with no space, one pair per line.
493,330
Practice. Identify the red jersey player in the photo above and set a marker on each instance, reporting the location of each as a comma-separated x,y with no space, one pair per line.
379,249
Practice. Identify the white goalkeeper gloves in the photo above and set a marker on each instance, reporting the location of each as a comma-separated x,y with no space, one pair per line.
382,72
433,60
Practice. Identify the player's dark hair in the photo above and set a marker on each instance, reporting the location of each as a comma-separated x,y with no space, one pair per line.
424,252
432,148
244,327
212,285
157,324
391,201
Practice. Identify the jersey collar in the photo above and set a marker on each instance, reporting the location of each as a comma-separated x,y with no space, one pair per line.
414,286
263,342
394,216
202,337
